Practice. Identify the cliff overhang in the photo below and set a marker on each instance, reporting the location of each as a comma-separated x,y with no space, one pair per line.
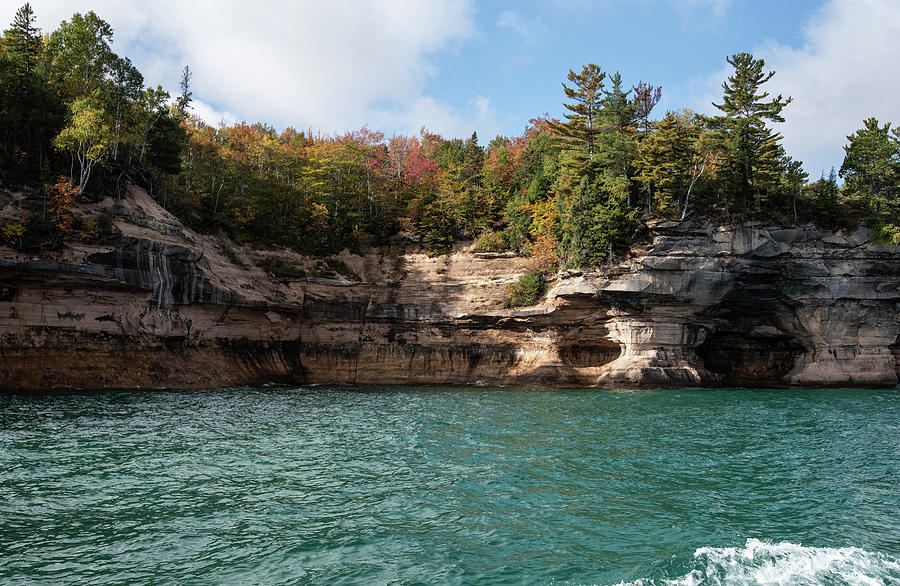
159,305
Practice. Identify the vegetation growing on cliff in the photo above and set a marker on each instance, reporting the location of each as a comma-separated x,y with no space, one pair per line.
567,192
526,290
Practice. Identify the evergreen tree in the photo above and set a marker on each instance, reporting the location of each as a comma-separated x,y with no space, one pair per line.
598,222
581,131
619,129
673,158
22,41
871,170
753,165
618,148
826,207
166,140
183,102
124,87
29,114
646,97
666,155
794,178
474,159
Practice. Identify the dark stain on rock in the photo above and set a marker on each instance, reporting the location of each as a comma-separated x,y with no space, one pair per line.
8,293
70,315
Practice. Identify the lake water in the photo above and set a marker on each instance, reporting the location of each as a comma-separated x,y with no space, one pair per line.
344,485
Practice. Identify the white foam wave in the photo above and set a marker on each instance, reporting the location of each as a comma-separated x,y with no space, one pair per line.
785,563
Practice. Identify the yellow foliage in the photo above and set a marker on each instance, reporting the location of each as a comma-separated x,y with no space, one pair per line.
13,232
88,229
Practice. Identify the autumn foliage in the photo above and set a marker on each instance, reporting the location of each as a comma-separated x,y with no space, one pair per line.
60,198
570,191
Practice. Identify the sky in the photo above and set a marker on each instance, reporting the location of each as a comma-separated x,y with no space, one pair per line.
458,66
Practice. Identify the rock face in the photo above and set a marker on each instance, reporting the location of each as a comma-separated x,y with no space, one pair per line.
698,305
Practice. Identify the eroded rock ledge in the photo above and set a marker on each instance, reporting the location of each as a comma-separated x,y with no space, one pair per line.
699,305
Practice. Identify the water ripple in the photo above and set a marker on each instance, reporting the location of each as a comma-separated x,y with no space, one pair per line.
372,486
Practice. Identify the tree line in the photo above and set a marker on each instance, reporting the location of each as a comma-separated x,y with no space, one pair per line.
569,192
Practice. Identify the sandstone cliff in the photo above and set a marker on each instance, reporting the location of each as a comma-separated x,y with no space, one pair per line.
157,305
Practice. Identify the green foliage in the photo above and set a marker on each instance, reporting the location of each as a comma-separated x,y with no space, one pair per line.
892,233
437,228
564,192
281,268
527,290
598,223
618,139
518,221
87,137
32,234
491,241
450,153
826,207
22,45
166,141
752,167
79,56
87,229
12,233
671,159
583,125
30,113
871,170
183,102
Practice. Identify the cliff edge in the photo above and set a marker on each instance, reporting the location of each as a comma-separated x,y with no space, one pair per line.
157,305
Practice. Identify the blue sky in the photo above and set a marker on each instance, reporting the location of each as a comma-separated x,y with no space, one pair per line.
520,53
459,65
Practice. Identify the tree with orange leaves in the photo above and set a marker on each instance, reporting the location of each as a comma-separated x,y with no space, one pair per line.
59,199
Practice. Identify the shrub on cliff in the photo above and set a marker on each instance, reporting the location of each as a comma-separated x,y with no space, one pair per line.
527,290
491,241
279,267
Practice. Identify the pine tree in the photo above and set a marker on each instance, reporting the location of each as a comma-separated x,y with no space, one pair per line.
583,126
22,41
755,153
30,115
598,222
474,159
871,169
826,207
183,101
646,96
665,161
619,128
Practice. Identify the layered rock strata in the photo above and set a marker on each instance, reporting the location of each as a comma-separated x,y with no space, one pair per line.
158,305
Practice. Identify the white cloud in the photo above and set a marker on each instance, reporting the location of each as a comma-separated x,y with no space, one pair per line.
844,72
531,30
437,117
329,65
696,16
210,114
511,19
717,8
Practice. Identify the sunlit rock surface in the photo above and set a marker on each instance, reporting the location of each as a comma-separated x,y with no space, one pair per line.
158,305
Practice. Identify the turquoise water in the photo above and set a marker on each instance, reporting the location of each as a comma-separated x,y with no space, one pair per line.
395,486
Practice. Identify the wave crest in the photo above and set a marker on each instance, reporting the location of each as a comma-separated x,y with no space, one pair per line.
764,562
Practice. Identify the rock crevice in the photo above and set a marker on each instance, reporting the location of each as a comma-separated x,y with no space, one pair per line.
697,305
